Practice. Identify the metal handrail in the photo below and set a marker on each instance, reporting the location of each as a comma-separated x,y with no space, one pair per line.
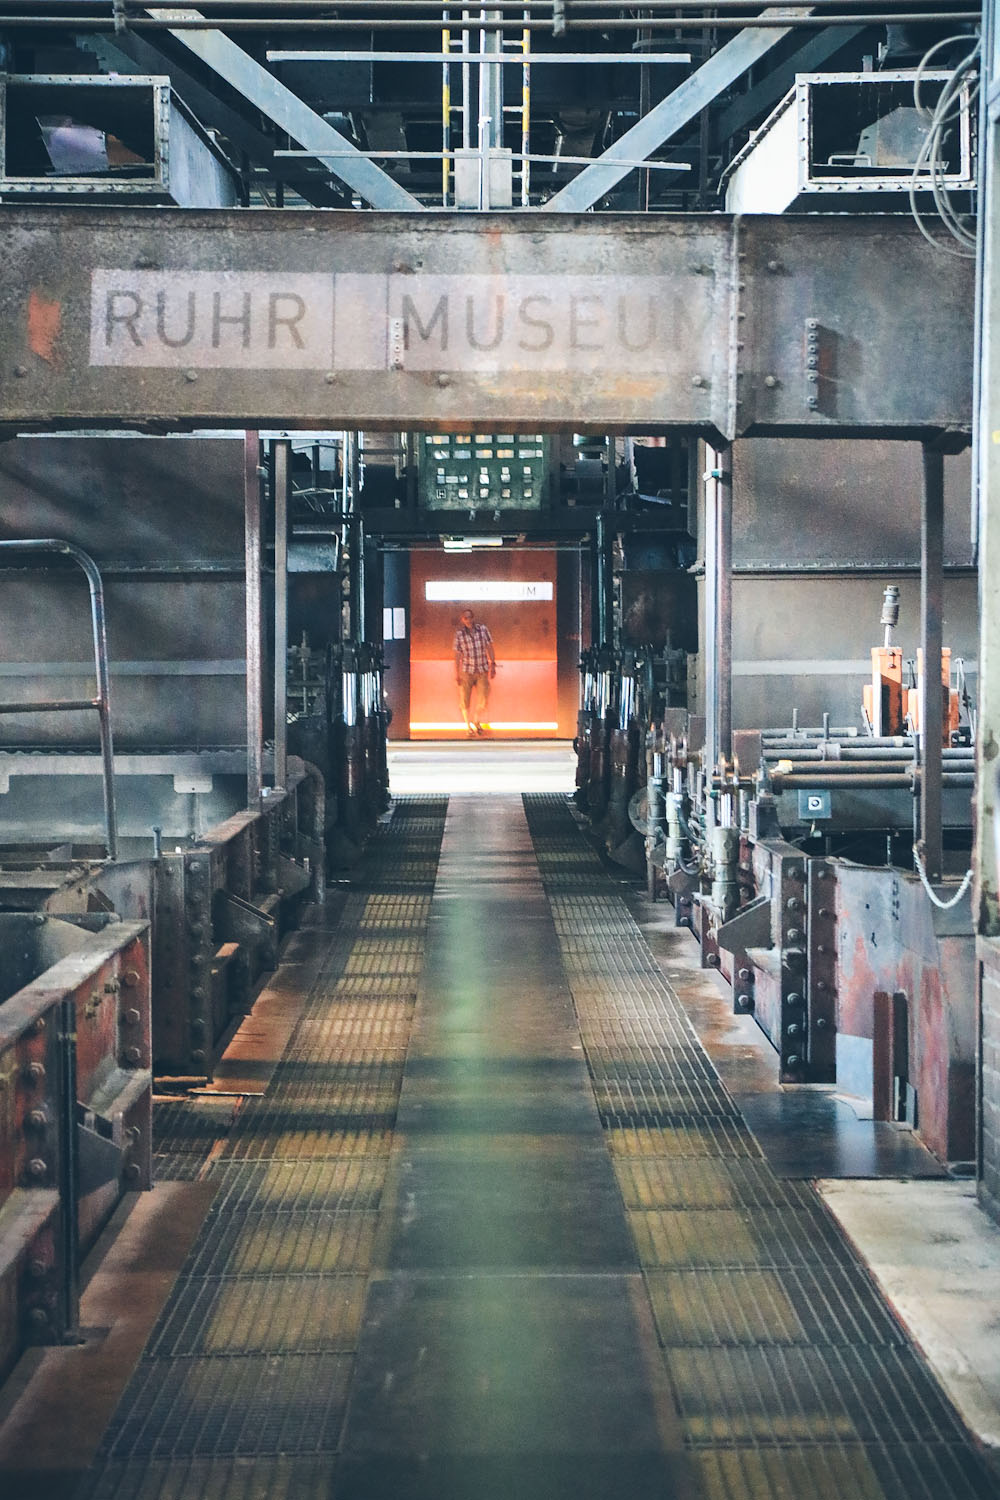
102,703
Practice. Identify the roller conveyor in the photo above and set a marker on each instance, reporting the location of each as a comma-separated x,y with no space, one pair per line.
497,1229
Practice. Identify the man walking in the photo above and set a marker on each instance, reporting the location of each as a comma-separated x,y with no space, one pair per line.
475,668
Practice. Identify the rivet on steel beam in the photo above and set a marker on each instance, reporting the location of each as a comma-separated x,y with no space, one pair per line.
35,1072
198,1055
132,1016
698,381
130,977
20,371
37,1269
330,377
793,903
774,266
38,1168
190,376
713,960
37,1119
38,1317
38,1027
771,381
792,1061
39,919
133,1056
793,1030
133,1171
744,1002
443,380
794,934
821,1023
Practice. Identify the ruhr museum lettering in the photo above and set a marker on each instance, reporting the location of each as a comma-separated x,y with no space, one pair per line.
350,321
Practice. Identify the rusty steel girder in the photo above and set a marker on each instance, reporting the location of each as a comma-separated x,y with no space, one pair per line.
66,1155
732,327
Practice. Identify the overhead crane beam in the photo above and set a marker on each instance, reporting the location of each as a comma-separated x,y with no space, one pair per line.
826,325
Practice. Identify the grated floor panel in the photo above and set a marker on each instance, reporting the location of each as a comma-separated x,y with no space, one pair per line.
791,1375
245,1378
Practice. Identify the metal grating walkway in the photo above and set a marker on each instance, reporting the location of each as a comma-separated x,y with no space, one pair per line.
455,1255
791,1376
243,1386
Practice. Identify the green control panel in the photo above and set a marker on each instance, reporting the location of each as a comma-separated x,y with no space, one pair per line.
483,471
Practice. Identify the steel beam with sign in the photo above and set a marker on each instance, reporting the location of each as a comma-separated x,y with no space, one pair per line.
607,323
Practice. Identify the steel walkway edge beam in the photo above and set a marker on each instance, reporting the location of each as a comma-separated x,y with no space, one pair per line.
733,327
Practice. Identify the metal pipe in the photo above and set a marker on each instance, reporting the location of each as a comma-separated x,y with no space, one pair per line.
363,7
282,453
718,605
253,610
932,701
445,108
68,1147
907,781
611,22
466,86
525,116
102,703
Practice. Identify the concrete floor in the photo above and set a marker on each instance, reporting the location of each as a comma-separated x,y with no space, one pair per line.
936,1256
469,768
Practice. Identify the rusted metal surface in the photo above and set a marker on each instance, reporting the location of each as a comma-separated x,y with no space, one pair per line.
104,975
890,940
387,321
221,906
821,984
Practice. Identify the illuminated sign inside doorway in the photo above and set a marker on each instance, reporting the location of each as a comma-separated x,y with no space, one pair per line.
452,590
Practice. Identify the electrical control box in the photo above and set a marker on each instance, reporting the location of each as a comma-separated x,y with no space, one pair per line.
483,471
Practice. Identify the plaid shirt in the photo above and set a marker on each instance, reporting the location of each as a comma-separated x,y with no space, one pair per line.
470,647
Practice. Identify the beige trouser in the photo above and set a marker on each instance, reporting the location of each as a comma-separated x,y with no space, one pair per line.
466,682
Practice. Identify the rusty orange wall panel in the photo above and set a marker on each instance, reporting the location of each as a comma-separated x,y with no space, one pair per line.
524,698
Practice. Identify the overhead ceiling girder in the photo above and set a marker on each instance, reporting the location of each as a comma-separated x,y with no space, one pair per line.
819,324
780,77
128,53
671,115
291,114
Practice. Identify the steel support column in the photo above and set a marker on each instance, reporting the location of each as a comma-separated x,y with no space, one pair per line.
255,689
932,702
604,583
718,646
282,454
987,476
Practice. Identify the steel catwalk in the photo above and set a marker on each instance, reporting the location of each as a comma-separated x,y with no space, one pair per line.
497,1228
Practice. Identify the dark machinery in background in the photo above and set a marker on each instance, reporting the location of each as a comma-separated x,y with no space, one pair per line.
797,865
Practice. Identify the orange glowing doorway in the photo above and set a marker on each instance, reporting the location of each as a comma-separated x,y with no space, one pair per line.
514,594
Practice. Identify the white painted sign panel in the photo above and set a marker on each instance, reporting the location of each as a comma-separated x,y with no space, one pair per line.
477,324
